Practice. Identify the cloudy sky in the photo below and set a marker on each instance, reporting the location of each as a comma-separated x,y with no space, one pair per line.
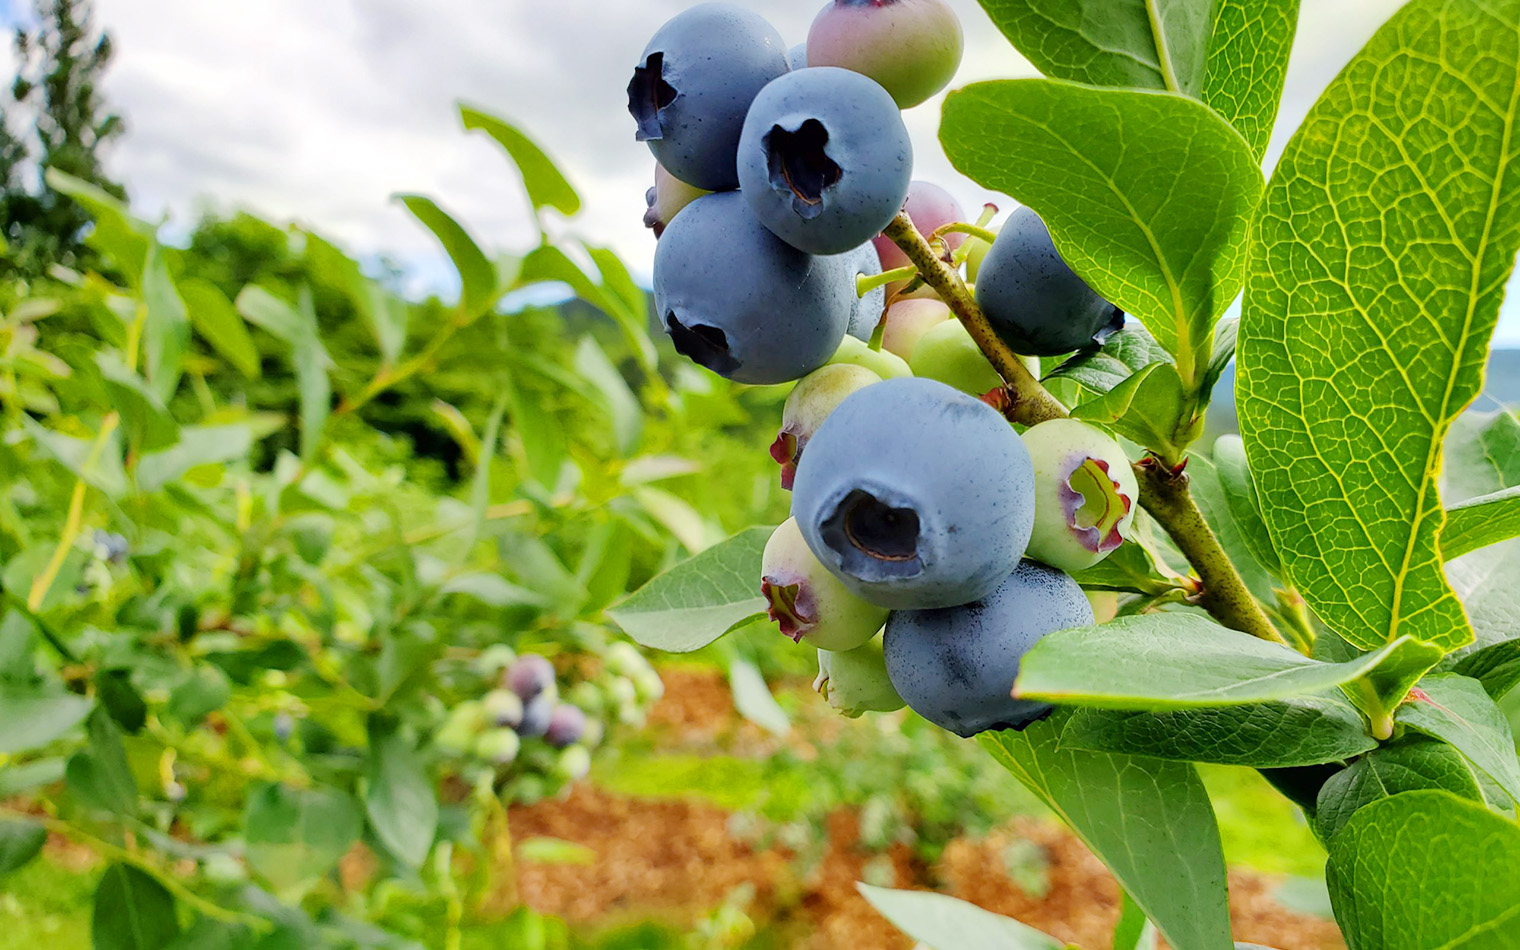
320,111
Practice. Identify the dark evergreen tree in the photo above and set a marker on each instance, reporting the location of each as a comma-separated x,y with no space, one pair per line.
60,62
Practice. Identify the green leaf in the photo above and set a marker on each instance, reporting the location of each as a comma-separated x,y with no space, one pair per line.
219,324
1455,882
1148,408
203,691
698,600
35,715
1403,665
1456,710
1226,338
548,264
297,326
166,326
294,836
1304,731
100,774
477,275
197,446
616,399
20,842
1174,661
385,314
1103,368
1239,489
942,922
20,778
1148,196
1364,332
1133,931
554,851
1391,770
1483,456
1496,667
1214,500
1132,568
753,698
118,235
546,187
542,434
107,474
143,416
1148,820
490,444
117,695
1479,522
1146,44
132,911
1247,63
399,799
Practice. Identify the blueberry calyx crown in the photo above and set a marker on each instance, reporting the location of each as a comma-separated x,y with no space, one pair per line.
799,164
1095,505
704,345
787,606
648,95
873,539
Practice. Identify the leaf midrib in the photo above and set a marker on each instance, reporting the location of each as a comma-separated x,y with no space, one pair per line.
1163,55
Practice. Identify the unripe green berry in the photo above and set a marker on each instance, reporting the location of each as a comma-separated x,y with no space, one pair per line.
1085,494
807,601
947,353
855,681
908,321
810,402
574,763
498,746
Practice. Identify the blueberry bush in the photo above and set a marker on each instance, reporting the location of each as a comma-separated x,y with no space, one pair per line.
278,646
1327,598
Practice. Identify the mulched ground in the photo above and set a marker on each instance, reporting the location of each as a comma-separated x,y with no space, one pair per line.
678,860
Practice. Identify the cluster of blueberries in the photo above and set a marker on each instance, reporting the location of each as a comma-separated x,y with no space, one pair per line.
523,725
930,542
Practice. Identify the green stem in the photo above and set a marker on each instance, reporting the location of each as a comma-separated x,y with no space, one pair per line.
960,227
865,283
1029,402
1165,494
1379,719
120,855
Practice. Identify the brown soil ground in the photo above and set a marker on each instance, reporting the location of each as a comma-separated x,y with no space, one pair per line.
677,859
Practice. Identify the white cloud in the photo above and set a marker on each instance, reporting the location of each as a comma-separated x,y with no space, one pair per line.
320,111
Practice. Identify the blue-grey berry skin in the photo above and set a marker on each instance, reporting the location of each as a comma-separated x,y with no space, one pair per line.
738,300
825,159
796,57
868,309
956,666
915,495
536,717
694,84
1034,301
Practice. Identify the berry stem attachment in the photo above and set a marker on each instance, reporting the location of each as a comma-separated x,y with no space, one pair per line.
1029,402
960,227
1164,493
865,283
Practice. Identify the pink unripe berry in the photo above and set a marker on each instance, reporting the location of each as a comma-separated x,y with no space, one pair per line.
930,208
907,322
911,47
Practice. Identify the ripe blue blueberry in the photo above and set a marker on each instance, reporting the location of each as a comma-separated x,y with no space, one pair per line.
537,714
743,303
868,309
796,57
566,726
825,159
915,495
694,84
530,676
1034,301
956,666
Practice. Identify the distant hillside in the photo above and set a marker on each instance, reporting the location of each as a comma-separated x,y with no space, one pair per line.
1502,385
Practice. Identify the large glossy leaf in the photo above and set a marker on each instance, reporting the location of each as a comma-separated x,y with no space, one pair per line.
1405,767
1174,661
1123,354
132,911
479,290
399,798
941,922
1232,54
1386,238
1455,882
1457,710
1282,734
1479,522
546,187
295,836
219,324
699,600
1149,820
34,716
1150,408
1148,196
